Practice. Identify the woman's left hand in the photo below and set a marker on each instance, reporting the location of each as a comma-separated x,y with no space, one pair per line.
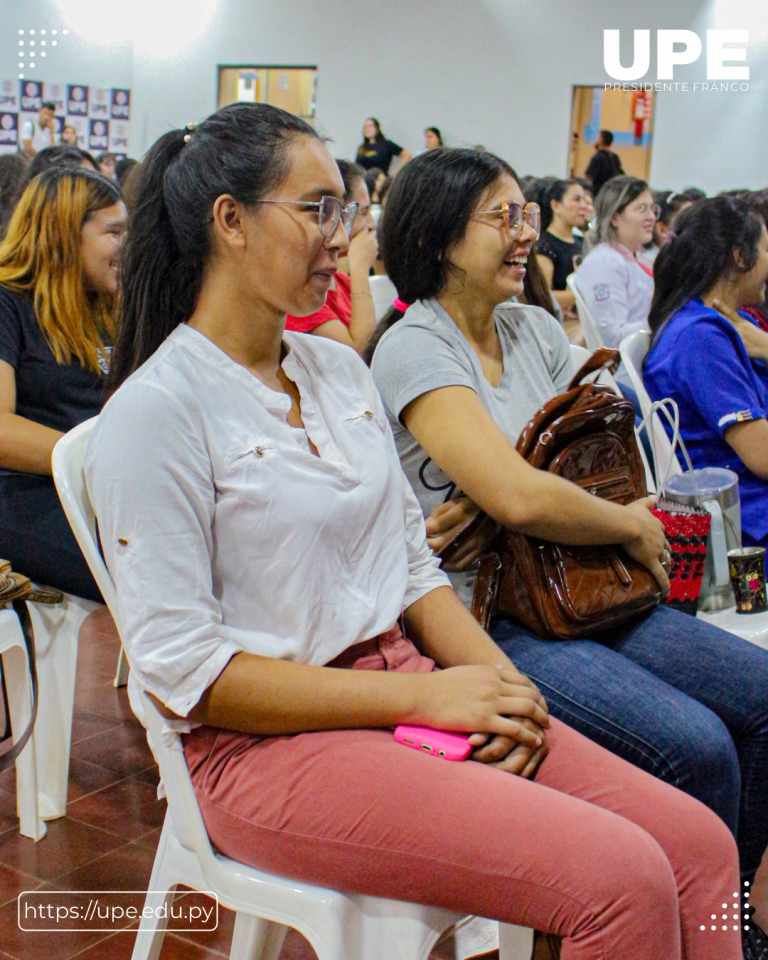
448,520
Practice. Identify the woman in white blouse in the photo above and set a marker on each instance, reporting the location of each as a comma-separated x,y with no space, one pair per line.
263,538
614,278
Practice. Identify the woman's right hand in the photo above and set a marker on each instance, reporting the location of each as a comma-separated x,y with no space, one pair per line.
363,250
481,699
651,545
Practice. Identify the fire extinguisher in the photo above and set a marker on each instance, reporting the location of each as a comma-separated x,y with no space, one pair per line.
641,111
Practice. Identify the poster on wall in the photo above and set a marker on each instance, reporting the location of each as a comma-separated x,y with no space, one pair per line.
100,115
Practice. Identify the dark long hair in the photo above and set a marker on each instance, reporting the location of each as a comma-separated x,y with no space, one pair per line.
241,150
377,139
436,131
350,174
701,251
555,191
427,214
536,292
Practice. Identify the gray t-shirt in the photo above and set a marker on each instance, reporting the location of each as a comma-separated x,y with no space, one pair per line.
426,351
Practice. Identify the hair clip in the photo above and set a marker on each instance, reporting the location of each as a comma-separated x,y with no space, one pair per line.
187,137
191,127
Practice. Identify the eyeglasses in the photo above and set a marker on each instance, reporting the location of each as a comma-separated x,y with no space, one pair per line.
514,216
330,212
653,207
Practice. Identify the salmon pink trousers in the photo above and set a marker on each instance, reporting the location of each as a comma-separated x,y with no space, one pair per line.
621,865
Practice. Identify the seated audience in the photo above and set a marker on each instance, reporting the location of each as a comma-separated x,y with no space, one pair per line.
669,204
13,167
460,375
589,200
377,151
69,136
616,285
348,313
373,179
38,134
249,578
605,164
693,194
58,279
565,207
106,164
708,354
123,170
63,155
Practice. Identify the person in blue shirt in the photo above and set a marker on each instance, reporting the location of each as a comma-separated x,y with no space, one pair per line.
710,356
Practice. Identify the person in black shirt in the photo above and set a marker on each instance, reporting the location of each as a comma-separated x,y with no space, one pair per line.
58,280
564,206
605,164
376,150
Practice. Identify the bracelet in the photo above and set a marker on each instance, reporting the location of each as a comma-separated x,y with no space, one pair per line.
361,293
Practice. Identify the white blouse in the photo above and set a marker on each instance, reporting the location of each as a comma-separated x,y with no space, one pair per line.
223,532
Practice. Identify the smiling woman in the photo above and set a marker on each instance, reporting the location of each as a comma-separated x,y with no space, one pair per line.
58,280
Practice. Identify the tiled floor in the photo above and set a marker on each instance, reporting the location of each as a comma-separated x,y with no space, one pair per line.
107,840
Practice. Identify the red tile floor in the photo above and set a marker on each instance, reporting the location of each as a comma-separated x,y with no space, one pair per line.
108,839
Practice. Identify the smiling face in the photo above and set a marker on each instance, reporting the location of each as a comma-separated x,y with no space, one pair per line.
634,225
100,240
369,129
489,265
751,286
281,259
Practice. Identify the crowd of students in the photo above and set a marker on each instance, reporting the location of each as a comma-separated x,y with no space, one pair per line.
272,510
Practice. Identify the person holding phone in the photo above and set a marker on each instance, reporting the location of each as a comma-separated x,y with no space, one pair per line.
266,548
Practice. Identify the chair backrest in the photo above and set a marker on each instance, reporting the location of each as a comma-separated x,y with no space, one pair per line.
580,355
633,350
591,334
383,292
68,475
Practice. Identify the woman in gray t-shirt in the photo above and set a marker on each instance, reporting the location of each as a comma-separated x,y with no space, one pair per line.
460,374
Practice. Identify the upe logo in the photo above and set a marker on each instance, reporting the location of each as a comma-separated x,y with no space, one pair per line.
688,50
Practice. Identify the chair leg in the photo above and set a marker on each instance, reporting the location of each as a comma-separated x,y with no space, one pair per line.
256,939
160,893
121,676
56,636
515,943
20,704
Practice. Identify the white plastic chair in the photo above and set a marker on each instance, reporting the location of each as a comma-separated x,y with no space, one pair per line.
633,350
339,926
592,335
19,686
383,292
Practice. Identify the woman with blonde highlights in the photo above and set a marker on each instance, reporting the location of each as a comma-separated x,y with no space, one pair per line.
58,280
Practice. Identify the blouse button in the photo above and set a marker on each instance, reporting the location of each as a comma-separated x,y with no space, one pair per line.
368,415
259,451
122,541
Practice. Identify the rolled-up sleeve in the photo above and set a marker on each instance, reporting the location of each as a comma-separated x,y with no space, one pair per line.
149,477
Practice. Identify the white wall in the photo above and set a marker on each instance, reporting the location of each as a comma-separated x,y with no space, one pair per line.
498,72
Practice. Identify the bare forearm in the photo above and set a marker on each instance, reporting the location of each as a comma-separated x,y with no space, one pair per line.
362,321
26,445
565,298
272,697
447,632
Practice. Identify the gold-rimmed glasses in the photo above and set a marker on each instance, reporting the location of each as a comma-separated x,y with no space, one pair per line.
514,216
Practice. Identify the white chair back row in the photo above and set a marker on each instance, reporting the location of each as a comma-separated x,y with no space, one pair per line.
592,335
339,926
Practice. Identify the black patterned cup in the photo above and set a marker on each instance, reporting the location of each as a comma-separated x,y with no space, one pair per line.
747,569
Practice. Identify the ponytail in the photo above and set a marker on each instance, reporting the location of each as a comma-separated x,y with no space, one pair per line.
240,150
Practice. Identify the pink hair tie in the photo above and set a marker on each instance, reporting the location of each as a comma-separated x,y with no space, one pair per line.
400,305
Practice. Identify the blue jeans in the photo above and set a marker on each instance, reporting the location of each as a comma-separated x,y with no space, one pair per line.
681,699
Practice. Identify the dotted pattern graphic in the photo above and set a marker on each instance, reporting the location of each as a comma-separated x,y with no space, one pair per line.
735,916
33,44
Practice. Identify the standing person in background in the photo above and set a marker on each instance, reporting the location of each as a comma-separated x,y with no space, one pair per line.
348,315
615,283
605,163
58,280
565,207
35,136
377,151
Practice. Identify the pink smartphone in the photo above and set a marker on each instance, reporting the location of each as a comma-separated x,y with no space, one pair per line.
439,743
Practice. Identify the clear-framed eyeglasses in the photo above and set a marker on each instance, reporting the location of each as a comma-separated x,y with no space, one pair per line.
514,217
329,211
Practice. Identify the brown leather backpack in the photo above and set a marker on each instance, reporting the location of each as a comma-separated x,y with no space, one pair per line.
560,592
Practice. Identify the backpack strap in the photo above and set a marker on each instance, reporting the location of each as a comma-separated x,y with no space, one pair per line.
602,359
